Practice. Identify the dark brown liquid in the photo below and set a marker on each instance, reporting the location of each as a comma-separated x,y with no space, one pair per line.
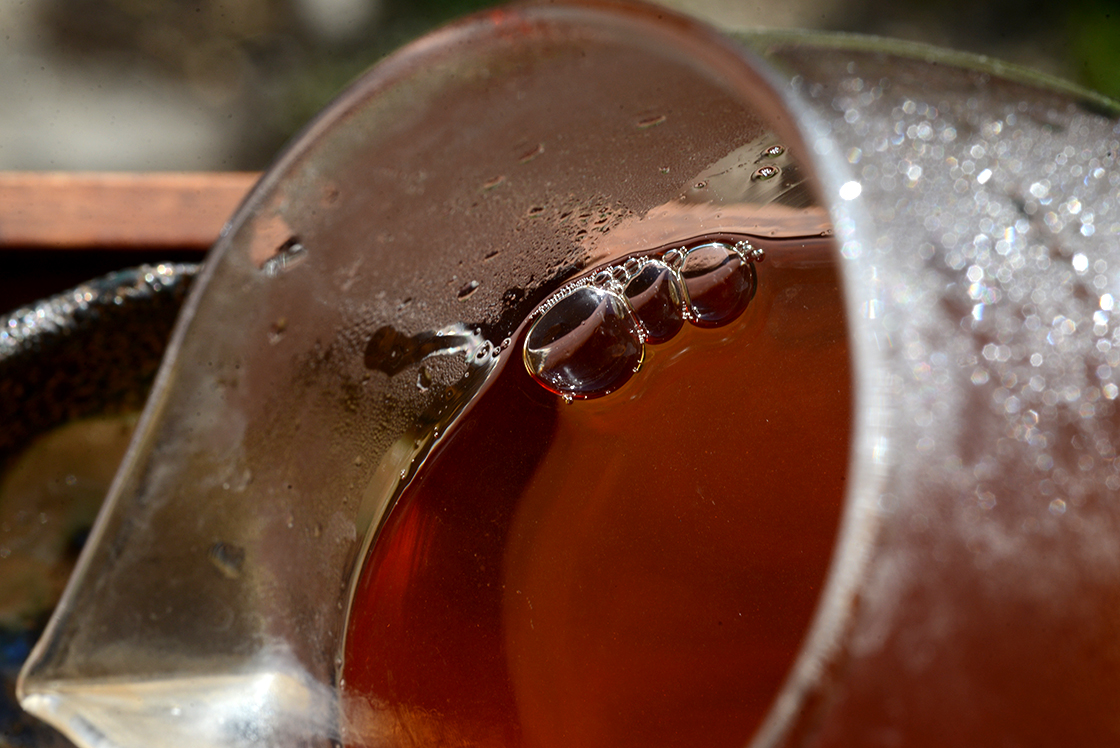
637,570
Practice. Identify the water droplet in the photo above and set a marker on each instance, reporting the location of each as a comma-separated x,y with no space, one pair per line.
423,379
287,255
276,331
774,151
531,154
466,291
584,345
766,172
655,297
391,351
718,283
227,558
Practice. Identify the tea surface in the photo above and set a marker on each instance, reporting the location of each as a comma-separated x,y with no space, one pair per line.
634,570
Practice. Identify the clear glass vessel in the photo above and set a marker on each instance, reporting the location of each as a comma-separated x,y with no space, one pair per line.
879,506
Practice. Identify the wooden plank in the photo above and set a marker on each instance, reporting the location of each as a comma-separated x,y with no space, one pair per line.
117,210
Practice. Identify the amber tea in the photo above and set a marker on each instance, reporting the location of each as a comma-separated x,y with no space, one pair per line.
631,570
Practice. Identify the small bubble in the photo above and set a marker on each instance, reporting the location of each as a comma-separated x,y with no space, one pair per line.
492,183
651,121
765,172
585,345
700,186
423,379
466,291
774,151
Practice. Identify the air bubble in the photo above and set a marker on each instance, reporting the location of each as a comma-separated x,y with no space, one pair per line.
766,172
585,345
589,337
774,151
718,283
655,297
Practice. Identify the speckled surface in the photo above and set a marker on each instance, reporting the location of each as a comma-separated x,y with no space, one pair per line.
978,215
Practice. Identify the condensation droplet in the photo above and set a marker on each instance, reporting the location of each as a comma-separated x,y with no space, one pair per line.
655,297
468,289
227,559
584,345
717,282
287,255
277,329
766,172
531,154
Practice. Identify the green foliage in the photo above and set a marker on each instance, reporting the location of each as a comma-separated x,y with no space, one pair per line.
1094,34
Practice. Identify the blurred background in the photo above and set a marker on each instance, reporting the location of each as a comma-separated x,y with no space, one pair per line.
145,85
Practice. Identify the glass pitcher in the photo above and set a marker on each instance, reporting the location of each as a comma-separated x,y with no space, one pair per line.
393,486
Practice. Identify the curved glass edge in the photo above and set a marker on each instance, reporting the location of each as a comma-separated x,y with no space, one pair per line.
761,41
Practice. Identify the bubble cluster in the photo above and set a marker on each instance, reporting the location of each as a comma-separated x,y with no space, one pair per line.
589,338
